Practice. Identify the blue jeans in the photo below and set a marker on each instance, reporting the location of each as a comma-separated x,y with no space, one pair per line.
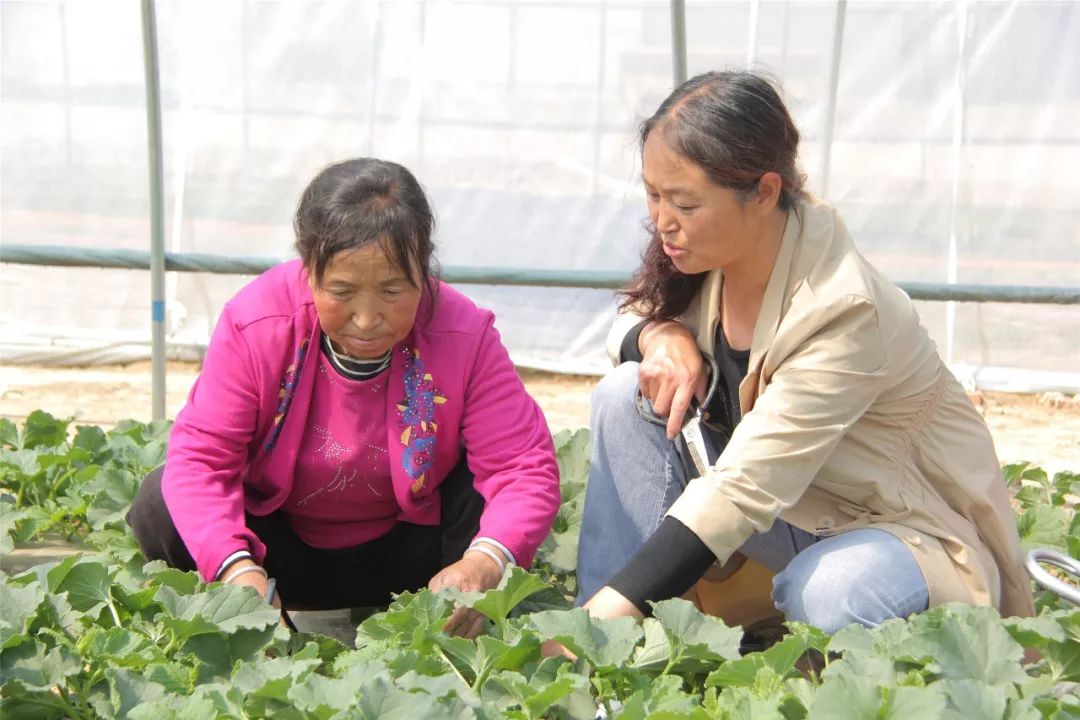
861,576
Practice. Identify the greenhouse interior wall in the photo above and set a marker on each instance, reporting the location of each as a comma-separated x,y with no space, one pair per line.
946,133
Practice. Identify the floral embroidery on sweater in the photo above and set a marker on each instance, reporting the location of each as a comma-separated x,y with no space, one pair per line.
286,392
416,414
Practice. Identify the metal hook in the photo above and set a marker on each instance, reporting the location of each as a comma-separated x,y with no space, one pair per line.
1070,565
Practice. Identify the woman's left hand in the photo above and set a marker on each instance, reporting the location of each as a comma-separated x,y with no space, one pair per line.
473,573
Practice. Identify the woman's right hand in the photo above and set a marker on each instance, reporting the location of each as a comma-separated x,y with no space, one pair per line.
252,579
672,372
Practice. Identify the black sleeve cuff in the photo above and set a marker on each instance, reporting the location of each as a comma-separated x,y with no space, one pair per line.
666,566
629,350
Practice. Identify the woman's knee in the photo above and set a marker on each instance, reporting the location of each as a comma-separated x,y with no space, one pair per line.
614,394
865,577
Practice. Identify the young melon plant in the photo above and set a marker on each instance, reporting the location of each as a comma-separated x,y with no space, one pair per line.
103,635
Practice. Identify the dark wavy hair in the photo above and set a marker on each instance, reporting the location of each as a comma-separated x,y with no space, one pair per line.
360,201
735,127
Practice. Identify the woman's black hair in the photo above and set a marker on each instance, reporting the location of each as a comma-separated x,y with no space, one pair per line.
735,127
360,201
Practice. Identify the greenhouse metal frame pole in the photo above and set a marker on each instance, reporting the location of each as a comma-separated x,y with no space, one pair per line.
64,256
834,86
678,40
157,208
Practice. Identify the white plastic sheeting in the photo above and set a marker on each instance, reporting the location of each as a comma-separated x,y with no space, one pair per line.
954,150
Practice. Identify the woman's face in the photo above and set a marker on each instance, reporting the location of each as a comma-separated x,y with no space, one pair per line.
366,303
702,225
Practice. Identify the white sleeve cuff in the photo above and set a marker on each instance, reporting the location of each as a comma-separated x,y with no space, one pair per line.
238,555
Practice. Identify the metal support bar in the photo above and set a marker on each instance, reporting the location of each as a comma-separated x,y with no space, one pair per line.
62,256
678,41
157,207
834,89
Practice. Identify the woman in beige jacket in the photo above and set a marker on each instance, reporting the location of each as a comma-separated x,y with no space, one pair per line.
839,450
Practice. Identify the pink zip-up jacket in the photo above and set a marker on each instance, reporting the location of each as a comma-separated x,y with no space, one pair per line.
452,386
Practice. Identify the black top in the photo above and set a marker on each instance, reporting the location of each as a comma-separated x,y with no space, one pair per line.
674,558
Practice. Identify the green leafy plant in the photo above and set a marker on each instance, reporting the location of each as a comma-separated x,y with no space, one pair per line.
104,635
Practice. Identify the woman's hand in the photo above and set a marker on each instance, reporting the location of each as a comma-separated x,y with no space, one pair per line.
672,372
256,579
475,572
610,603
606,603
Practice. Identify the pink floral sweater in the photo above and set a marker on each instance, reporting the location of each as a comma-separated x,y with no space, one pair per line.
452,387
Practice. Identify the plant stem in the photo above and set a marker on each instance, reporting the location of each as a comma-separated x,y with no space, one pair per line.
56,485
453,667
70,710
112,608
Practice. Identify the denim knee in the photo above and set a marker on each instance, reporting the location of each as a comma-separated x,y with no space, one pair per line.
614,394
863,576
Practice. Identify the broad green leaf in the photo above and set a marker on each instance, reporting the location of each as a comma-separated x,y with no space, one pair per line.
66,457
30,665
923,703
969,699
229,607
20,606
380,699
177,678
511,688
572,454
438,686
219,654
119,646
655,652
43,430
87,583
496,604
90,438
854,697
411,616
743,672
208,701
740,704
560,549
663,697
1063,658
141,602
605,642
960,642
580,703
111,493
695,635
183,582
9,434
1035,632
129,689
269,680
24,462
56,613
253,677
1031,496
304,646
317,693
1043,526
18,703
9,518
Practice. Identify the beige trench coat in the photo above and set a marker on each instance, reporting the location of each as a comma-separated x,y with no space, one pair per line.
851,419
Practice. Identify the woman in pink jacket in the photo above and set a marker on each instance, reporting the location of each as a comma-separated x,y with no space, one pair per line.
358,428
